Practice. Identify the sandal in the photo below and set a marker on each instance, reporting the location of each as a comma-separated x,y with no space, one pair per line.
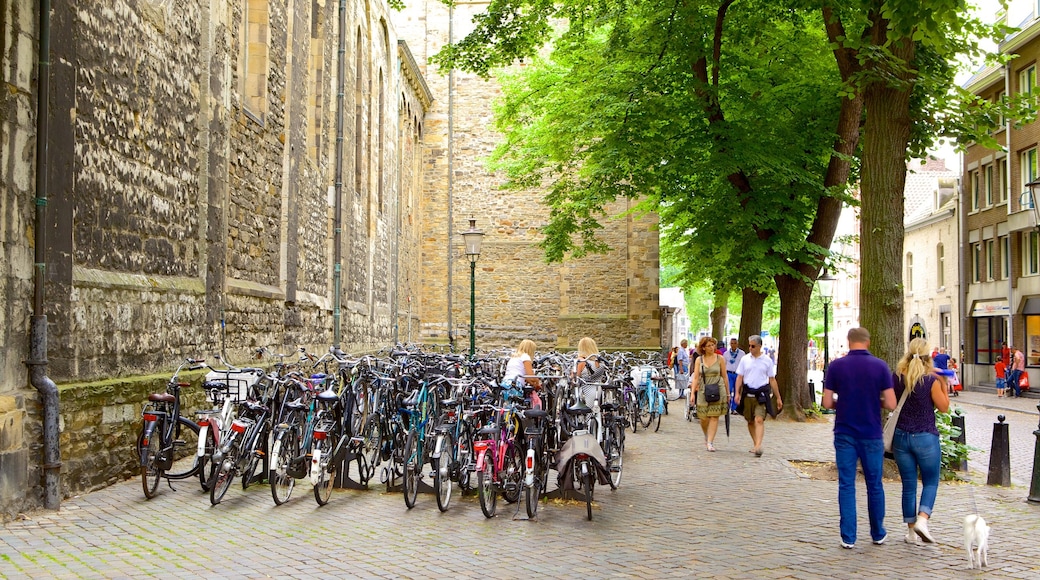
758,453
711,447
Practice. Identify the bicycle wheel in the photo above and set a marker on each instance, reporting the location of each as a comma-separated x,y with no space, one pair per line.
614,454
464,459
412,469
254,452
533,492
206,467
632,408
374,440
588,484
224,473
644,409
442,473
327,468
512,474
151,472
185,450
486,487
286,447
656,419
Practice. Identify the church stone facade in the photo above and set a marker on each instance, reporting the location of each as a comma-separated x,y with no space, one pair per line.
225,175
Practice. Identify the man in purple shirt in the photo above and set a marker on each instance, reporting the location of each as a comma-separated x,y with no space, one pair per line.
856,387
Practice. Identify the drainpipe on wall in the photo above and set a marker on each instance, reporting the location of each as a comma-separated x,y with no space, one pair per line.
451,169
37,362
1007,172
337,220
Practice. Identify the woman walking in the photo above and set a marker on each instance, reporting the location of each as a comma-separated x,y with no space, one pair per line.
709,374
916,441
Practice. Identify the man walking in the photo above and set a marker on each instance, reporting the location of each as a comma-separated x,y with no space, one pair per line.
1018,366
756,381
733,356
856,387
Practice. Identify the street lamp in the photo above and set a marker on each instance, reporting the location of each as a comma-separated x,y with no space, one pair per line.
472,237
826,283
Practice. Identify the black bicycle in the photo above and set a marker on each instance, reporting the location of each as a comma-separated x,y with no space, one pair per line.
166,437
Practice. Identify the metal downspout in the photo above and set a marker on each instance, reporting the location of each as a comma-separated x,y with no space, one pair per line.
337,220
451,172
37,362
1007,171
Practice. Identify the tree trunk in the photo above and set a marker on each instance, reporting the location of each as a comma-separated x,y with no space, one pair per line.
750,315
718,316
885,140
792,368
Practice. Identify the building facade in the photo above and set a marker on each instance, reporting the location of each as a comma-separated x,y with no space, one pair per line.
257,173
1001,253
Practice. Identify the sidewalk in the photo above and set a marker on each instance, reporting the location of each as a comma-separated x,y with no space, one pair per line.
680,512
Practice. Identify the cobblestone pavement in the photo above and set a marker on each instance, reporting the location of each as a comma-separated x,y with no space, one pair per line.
980,414
680,512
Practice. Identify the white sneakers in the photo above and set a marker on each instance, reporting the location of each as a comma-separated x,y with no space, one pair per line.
921,527
910,537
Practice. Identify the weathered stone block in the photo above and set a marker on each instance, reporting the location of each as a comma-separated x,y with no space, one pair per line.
11,431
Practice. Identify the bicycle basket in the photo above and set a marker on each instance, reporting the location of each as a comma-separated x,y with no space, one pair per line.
234,385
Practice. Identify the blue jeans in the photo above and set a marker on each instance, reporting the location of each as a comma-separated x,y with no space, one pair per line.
915,451
1012,382
732,390
870,453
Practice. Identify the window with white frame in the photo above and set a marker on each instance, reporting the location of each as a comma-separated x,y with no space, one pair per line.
909,272
1000,100
1028,165
1004,247
940,266
1002,182
1027,80
1031,254
991,260
975,190
987,185
976,262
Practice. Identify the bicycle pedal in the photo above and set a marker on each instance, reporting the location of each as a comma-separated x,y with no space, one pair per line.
259,454
179,442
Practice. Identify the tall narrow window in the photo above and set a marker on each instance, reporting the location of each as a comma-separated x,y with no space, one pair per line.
940,266
909,272
1027,80
1002,181
991,260
976,262
975,190
1028,165
1031,254
256,26
987,185
359,99
1004,244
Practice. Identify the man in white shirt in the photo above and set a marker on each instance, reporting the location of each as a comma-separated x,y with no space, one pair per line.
756,386
733,356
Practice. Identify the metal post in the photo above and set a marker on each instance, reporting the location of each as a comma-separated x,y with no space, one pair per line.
958,421
826,338
472,307
1034,484
1000,455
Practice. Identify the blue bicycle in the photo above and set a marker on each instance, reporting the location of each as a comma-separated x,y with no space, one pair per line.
651,399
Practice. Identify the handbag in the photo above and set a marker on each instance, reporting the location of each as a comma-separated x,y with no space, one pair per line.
889,433
712,391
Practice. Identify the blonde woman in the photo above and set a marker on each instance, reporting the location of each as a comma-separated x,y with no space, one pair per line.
709,370
520,368
916,442
589,368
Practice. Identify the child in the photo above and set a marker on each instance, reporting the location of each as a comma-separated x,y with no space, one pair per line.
1000,368
955,382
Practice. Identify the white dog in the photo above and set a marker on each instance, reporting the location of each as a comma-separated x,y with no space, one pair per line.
976,533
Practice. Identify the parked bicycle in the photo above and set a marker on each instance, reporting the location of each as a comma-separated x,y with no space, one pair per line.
164,432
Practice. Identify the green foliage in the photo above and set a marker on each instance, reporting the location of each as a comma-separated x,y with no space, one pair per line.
953,452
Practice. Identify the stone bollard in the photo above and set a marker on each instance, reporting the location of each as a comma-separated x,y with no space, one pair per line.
1034,485
1000,455
958,421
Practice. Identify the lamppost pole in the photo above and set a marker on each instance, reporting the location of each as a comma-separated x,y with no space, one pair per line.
473,238
826,283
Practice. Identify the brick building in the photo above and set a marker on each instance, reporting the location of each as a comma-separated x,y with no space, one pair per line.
254,173
1001,247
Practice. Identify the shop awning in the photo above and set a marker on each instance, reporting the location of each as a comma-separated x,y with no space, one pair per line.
990,308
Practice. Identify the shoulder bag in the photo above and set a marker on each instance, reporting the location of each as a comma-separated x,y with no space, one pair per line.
889,432
712,391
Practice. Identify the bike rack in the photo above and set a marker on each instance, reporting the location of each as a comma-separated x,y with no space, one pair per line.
343,474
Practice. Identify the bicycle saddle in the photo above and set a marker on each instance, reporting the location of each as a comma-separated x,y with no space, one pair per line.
161,398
